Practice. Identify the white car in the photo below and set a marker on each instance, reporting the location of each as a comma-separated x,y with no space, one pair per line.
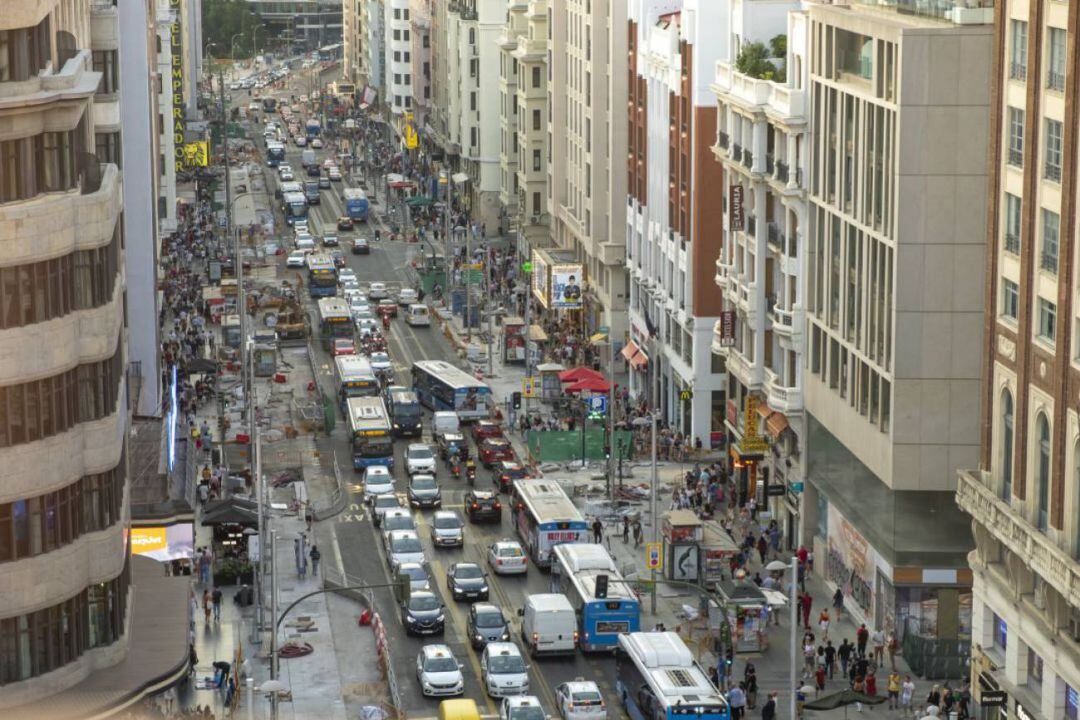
439,672
419,458
316,142
380,361
400,519
506,557
286,174
296,260
404,546
378,291
521,707
349,283
580,700
419,580
367,326
237,85
503,670
407,297
305,242
377,481
300,141
360,309
334,174
382,504
284,168
344,273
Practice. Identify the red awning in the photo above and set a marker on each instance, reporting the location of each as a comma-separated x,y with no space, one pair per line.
630,350
639,361
580,373
596,385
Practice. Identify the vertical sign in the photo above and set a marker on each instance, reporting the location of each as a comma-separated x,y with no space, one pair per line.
735,207
176,38
652,556
727,328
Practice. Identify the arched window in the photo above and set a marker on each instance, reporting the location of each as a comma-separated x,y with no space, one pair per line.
1042,469
1006,445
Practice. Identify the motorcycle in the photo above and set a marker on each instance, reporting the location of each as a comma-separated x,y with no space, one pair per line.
455,467
470,474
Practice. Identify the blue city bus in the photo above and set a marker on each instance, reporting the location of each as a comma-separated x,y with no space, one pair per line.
369,428
544,517
442,386
576,567
356,204
322,275
275,154
657,678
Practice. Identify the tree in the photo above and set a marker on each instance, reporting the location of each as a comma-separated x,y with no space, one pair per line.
753,60
223,19
778,45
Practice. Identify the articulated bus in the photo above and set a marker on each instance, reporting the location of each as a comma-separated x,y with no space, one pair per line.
355,378
335,321
602,616
657,678
544,517
322,275
442,386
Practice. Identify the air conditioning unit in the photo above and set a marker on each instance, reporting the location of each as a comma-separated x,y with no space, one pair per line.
534,219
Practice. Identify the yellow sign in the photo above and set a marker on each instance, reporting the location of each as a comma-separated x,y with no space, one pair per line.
653,559
528,387
147,539
197,154
411,139
752,443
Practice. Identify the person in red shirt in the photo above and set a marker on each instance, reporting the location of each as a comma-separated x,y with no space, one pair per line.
803,554
871,684
807,605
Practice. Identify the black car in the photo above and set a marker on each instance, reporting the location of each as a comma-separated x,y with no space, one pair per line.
360,247
483,505
486,623
424,492
422,614
467,581
344,222
313,171
505,473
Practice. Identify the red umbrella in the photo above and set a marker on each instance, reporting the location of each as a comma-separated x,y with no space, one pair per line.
580,373
596,385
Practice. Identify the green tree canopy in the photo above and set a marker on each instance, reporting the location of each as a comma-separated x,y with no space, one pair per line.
223,19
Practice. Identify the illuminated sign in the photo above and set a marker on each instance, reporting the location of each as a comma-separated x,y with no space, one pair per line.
752,443
540,278
176,37
174,542
197,154
566,284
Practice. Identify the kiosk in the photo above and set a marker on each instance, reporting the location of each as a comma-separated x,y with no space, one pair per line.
683,532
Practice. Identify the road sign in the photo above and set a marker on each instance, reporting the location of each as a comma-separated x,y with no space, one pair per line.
528,387
796,487
598,404
652,556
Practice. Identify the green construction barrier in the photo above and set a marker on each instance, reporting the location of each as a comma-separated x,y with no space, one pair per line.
565,445
329,412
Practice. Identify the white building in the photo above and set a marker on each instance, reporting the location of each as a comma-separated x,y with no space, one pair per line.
420,12
397,49
763,145
673,231
372,29
587,138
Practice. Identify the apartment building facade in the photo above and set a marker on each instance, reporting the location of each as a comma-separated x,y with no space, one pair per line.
353,65
397,44
763,145
587,137
1024,492
420,12
896,190
673,232
509,70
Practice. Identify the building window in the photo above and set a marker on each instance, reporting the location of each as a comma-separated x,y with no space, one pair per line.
107,145
1010,299
1042,472
1018,50
536,160
1055,71
472,101
1072,703
536,76
1051,224
106,63
1012,223
1006,445
536,204
1035,670
54,155
1001,633
1052,164
1047,321
1016,137
536,120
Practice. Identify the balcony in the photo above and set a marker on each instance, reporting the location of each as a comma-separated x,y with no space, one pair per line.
782,398
1055,81
776,238
748,159
736,152
781,173
723,140
1018,71
770,164
1016,157
751,225
738,366
1048,261
723,274
788,323
1031,547
75,79
786,101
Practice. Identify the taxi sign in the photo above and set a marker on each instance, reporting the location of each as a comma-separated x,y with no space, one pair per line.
652,556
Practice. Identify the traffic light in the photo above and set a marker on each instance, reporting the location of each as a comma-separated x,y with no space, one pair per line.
517,401
601,587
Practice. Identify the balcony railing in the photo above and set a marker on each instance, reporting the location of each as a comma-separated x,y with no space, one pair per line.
776,238
1048,261
1012,243
770,163
799,177
1055,81
736,151
751,225
1018,71
723,140
781,173
1052,172
1016,157
747,158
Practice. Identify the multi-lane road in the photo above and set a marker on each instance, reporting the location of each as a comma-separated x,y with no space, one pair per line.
355,540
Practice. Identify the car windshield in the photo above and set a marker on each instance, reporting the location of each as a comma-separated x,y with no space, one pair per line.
406,545
490,619
468,572
420,453
401,522
510,551
380,357
389,501
440,664
500,664
415,573
423,602
378,480
447,522
586,696
424,483
527,712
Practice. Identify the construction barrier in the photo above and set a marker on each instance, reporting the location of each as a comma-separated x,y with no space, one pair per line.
565,445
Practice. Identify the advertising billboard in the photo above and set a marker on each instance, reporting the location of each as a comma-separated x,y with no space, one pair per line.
540,278
173,542
567,282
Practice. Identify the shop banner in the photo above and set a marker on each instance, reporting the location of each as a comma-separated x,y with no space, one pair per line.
566,284
735,205
174,542
727,328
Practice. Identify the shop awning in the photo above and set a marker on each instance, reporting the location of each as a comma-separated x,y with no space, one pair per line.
776,424
639,361
597,338
537,334
763,410
574,375
630,350
589,384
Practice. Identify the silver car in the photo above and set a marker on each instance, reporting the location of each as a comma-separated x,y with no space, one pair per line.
447,529
404,546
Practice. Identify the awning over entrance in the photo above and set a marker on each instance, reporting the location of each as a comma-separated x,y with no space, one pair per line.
639,361
776,424
630,350
537,334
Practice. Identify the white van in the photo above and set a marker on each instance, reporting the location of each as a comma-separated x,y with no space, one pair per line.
418,316
445,422
548,625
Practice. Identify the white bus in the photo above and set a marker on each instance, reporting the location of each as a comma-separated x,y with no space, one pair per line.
657,678
369,427
442,386
544,517
355,378
335,321
577,567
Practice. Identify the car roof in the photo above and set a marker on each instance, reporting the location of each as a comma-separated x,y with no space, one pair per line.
437,651
377,470
486,607
384,496
401,534
412,565
522,700
396,512
507,541
581,686
445,513
464,564
502,648
483,494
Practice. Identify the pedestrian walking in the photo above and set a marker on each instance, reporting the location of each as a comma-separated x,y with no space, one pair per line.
862,636
626,530
315,556
892,645
737,702
907,694
750,683
893,688
768,710
807,605
823,623
819,680
597,531
838,602
877,639
844,654
215,598
830,658
206,603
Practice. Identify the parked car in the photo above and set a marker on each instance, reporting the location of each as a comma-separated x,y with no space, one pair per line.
486,623
423,614
467,581
483,505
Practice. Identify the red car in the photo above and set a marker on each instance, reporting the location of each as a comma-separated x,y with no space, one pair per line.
387,306
505,473
494,449
486,429
342,346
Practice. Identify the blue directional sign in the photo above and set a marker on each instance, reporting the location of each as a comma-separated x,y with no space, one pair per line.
598,404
